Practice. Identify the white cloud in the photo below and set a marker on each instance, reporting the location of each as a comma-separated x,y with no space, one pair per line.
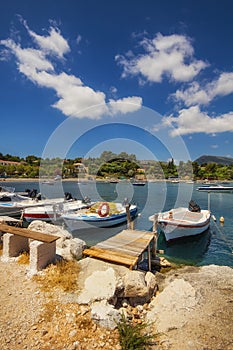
125,105
74,98
54,43
192,120
222,86
170,56
192,95
28,59
195,94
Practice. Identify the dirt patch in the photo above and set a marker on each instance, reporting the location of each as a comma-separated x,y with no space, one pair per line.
37,320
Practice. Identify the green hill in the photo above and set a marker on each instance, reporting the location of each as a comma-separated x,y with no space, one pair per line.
205,159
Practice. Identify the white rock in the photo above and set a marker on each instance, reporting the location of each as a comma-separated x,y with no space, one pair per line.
151,283
135,284
99,285
42,226
177,299
66,246
131,286
104,314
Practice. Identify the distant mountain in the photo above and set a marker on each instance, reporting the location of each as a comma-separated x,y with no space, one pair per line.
214,159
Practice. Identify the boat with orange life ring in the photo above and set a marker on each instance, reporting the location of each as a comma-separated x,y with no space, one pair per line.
100,214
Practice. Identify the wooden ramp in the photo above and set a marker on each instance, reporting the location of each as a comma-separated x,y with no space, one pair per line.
125,248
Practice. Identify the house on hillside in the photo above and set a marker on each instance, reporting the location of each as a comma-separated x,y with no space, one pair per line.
8,162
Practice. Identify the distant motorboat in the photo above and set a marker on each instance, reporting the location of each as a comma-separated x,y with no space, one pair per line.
215,188
101,214
57,178
138,183
47,182
183,222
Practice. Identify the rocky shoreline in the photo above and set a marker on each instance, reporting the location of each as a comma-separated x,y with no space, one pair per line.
188,308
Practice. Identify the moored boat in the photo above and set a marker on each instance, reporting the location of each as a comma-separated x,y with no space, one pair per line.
215,188
138,183
101,214
52,211
12,204
183,222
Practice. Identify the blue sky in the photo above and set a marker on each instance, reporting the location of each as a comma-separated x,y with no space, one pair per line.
144,77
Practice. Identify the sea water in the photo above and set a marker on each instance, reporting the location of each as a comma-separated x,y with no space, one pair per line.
215,246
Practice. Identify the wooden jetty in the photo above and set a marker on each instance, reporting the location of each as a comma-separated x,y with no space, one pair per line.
126,248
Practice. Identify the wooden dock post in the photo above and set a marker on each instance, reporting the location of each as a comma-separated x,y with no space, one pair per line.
130,224
154,230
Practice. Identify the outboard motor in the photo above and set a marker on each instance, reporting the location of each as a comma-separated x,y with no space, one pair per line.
39,196
33,194
194,207
28,191
68,196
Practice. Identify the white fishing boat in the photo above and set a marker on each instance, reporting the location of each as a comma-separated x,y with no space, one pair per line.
183,222
12,204
101,214
52,212
215,188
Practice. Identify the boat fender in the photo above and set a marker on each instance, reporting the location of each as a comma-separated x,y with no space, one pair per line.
103,209
222,220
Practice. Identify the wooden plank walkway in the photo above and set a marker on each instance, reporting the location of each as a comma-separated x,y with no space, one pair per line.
125,248
24,232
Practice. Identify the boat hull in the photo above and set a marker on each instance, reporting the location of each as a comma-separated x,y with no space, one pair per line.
75,222
10,210
52,212
183,223
174,232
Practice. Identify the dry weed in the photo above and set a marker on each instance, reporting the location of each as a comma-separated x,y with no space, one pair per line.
63,275
24,258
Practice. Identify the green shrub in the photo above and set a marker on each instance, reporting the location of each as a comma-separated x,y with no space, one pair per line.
133,337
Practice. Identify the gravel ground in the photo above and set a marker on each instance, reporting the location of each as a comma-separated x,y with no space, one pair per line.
201,320
33,320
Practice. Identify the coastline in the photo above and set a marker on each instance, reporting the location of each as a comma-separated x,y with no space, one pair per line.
71,179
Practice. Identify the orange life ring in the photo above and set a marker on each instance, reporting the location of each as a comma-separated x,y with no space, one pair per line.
103,209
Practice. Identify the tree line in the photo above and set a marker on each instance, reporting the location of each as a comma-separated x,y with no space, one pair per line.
109,164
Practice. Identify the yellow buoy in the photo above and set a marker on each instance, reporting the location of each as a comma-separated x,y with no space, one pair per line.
221,219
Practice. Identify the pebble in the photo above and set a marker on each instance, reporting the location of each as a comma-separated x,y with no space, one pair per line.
73,333
75,345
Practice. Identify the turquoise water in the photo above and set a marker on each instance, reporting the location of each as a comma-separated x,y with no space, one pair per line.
215,246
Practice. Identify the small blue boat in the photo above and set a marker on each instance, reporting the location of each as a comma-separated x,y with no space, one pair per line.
101,214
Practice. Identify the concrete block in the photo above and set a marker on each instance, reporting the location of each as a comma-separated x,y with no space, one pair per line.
13,245
41,254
